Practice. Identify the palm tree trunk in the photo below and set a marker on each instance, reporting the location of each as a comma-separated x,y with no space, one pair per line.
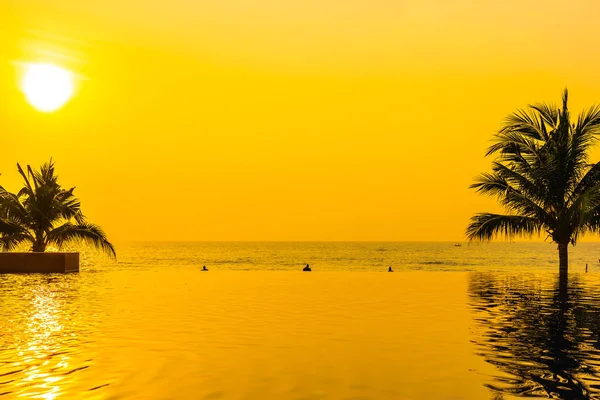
39,245
563,258
563,290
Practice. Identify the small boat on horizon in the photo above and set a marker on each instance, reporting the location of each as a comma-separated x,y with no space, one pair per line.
457,245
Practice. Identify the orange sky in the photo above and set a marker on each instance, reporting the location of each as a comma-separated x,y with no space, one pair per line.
285,120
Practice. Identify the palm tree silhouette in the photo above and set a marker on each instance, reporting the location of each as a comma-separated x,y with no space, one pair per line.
44,213
542,178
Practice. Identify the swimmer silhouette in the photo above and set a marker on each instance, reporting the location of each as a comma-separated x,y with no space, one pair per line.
307,268
204,268
390,269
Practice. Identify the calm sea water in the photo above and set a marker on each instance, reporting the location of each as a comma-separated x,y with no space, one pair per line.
360,256
484,322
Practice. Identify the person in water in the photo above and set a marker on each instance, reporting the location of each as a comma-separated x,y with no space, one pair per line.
390,269
204,268
307,268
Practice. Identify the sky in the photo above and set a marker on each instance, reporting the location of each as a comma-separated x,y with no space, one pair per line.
285,120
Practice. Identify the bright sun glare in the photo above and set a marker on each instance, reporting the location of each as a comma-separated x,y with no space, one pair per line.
47,87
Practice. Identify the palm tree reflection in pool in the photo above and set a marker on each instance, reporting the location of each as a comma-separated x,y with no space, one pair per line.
545,336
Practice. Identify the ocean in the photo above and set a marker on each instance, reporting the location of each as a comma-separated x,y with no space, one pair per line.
348,256
484,321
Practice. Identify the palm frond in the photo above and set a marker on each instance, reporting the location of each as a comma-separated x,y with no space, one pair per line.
521,182
87,233
526,207
490,185
486,226
34,176
584,134
511,197
9,227
12,242
12,209
548,115
589,180
510,141
592,222
588,121
524,123
582,211
28,189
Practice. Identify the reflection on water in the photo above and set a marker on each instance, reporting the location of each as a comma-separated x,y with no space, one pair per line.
167,333
39,331
541,332
179,333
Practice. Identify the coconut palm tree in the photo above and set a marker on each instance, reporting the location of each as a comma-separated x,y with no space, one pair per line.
44,213
542,177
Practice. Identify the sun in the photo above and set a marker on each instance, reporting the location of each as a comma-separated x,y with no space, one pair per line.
47,87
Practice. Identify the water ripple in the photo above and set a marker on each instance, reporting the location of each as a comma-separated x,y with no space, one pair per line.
541,331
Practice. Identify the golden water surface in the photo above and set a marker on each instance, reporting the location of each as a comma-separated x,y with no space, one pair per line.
185,334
